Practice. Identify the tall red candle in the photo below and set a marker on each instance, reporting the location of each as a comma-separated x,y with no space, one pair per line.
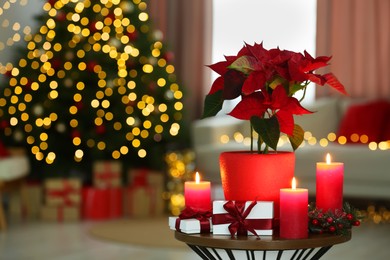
294,212
197,194
329,185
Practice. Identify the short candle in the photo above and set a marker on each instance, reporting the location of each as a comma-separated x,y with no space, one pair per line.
294,212
329,185
197,194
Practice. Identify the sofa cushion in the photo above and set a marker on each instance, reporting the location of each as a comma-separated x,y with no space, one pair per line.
365,119
208,131
324,120
365,171
386,130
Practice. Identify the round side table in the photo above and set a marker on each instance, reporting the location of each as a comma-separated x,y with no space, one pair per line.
209,246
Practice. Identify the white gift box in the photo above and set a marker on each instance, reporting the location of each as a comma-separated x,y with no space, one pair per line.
188,226
262,210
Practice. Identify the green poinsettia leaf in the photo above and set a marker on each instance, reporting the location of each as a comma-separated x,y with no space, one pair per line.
212,104
295,88
297,137
244,64
268,130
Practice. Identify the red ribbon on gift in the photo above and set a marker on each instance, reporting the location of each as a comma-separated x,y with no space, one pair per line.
202,215
107,174
237,217
63,193
60,214
107,177
140,178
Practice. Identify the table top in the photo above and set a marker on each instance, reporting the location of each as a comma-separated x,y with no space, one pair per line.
13,168
265,243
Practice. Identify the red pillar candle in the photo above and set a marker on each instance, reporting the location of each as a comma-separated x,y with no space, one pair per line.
329,185
294,212
197,194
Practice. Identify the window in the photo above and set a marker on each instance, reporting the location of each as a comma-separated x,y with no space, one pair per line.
288,24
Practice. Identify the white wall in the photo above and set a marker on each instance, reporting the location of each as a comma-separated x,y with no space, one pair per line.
289,24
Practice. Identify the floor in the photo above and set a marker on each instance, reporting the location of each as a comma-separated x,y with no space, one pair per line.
70,241
66,241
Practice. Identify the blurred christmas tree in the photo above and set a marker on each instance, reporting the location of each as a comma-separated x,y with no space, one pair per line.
95,82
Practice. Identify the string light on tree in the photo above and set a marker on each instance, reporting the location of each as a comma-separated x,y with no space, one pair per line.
94,81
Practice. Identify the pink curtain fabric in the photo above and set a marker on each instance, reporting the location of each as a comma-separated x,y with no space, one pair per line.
356,33
187,29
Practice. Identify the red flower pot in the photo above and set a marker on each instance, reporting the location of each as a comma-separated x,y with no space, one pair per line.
250,176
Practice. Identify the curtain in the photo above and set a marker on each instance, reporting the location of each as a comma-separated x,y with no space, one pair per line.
356,33
187,30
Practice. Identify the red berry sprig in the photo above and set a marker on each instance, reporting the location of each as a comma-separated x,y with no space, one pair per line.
338,222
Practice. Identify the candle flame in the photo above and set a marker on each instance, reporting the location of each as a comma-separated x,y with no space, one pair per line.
293,183
327,158
197,177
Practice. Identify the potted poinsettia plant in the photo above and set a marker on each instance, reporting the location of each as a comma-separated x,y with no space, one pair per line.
266,81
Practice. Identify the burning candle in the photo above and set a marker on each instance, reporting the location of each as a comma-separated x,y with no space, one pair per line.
197,194
329,185
294,212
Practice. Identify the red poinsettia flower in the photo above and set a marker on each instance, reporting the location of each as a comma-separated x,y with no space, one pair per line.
285,107
266,81
222,69
277,104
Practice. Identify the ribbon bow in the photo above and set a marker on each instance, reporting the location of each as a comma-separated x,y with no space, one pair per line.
64,193
107,177
202,215
237,217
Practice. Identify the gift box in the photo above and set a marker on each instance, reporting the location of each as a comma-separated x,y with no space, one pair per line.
189,226
115,198
60,213
192,221
26,204
244,218
139,201
154,180
95,205
101,204
60,192
34,197
107,174
17,210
